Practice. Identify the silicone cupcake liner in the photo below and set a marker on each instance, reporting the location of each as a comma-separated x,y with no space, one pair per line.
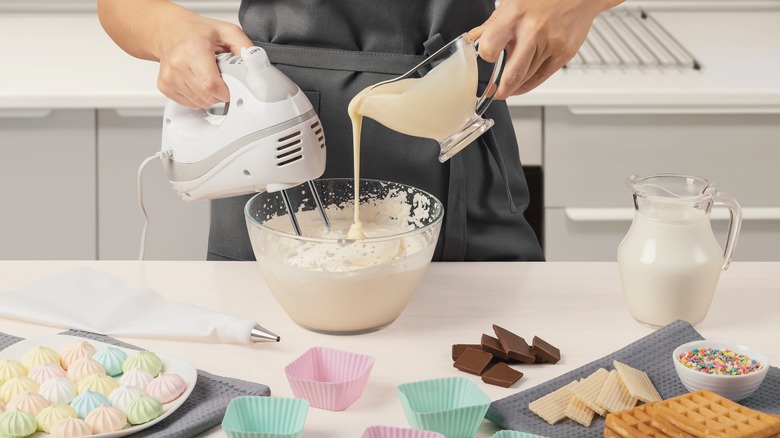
329,379
514,434
265,417
398,432
451,406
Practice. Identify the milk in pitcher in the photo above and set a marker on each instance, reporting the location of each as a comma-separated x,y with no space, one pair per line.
669,267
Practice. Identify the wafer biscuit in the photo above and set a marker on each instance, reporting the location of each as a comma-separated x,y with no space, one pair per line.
614,396
589,388
552,407
632,423
637,383
579,411
705,414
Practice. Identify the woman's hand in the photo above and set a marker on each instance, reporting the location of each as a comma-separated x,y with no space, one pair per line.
188,70
540,36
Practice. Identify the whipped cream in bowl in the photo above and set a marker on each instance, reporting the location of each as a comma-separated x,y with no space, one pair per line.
327,280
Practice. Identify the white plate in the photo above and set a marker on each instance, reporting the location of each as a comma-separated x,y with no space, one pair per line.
170,365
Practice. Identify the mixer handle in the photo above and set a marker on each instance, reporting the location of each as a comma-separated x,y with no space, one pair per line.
490,90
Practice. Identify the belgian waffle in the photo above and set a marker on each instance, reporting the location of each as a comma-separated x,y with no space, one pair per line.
697,414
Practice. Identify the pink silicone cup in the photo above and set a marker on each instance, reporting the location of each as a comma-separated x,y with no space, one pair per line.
329,379
398,432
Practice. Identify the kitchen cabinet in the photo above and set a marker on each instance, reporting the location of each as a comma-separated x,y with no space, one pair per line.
47,171
176,230
589,153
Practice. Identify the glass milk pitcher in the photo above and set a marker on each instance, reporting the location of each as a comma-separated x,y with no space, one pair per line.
670,260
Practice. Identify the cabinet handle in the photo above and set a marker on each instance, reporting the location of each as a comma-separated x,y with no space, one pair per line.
140,112
34,113
627,214
682,109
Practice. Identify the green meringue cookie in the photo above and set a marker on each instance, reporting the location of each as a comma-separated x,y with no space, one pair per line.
16,423
143,410
146,360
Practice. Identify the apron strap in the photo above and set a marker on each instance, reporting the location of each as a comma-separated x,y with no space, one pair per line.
455,219
489,141
344,60
433,44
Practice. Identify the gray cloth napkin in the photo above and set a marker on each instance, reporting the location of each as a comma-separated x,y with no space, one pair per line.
202,410
651,354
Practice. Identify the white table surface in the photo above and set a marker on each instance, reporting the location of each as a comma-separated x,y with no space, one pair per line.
578,307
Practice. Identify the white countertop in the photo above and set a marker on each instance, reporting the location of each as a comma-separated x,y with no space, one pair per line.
65,60
578,307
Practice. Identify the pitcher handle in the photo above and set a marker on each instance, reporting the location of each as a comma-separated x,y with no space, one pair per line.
735,222
490,90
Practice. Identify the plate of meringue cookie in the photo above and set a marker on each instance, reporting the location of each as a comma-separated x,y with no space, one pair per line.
64,386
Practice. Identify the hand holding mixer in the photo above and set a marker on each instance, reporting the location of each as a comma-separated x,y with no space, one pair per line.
267,138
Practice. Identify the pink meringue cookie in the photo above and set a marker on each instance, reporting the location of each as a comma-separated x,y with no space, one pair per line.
46,371
29,402
84,367
106,419
166,387
75,351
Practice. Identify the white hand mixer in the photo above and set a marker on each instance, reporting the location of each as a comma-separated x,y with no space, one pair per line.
267,138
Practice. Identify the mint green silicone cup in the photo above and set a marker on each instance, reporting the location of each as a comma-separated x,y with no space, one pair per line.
451,406
265,417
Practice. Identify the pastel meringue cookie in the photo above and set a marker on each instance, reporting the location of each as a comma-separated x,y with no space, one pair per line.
40,355
52,414
46,371
30,402
70,428
146,360
112,360
106,419
2,407
75,351
10,368
166,387
123,395
97,382
143,410
13,387
84,367
16,423
87,402
136,377
58,390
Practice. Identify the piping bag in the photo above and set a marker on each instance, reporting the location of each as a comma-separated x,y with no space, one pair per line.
94,301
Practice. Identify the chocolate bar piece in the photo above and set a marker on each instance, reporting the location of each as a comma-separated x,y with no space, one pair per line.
545,352
514,346
501,374
458,349
473,361
492,346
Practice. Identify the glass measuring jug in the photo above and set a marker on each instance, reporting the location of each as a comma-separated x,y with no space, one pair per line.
437,99
670,261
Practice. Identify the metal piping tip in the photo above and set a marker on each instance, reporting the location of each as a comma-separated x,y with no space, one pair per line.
259,334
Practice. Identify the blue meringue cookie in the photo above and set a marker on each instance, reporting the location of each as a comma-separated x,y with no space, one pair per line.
88,401
112,360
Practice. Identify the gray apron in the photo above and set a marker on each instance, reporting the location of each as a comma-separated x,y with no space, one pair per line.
333,49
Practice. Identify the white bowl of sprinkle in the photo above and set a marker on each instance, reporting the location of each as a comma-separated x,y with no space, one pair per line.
729,369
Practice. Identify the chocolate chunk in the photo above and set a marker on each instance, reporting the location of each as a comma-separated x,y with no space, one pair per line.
492,346
501,374
514,346
473,361
458,349
545,352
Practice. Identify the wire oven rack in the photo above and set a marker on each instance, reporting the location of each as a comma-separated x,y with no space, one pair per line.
631,38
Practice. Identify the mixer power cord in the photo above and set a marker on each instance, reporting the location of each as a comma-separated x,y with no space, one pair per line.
158,156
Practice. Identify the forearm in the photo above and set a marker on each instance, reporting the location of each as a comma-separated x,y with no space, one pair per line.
138,26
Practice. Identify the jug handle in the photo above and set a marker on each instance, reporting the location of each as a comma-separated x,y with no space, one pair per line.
490,90
735,222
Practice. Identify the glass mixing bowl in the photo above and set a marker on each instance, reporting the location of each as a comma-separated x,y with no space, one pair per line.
328,283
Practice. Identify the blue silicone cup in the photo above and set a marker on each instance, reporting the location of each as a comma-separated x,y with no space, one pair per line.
265,417
451,406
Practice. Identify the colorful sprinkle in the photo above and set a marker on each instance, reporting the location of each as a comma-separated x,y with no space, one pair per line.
719,362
